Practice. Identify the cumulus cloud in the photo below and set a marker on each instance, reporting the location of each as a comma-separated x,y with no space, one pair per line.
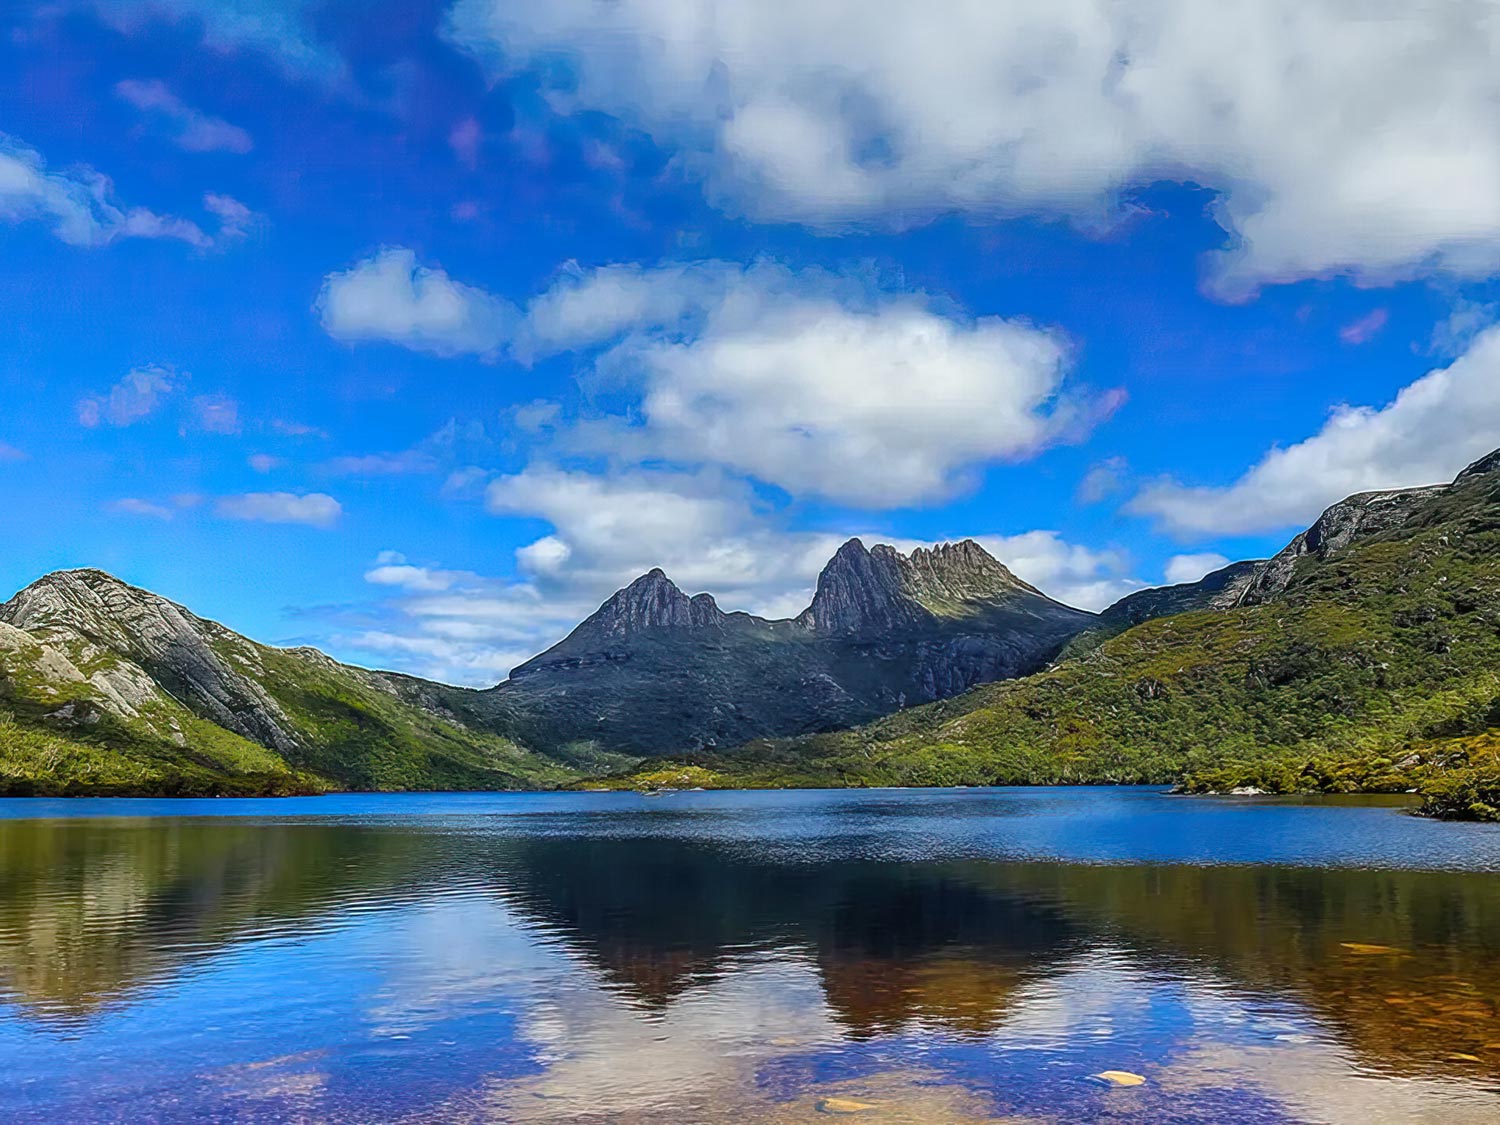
135,397
314,509
1085,577
1341,137
1190,568
813,382
188,128
1427,434
392,297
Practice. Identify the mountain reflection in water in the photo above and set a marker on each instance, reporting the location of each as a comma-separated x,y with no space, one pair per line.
601,964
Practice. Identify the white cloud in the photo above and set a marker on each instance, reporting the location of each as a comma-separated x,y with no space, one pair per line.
1342,136
79,206
812,382
703,529
134,506
235,219
391,297
264,462
314,509
408,577
216,414
1453,334
1190,568
135,397
1076,575
9,452
1426,435
190,129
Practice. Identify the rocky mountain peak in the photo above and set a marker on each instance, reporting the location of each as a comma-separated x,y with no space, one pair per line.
880,588
652,601
861,590
88,599
963,571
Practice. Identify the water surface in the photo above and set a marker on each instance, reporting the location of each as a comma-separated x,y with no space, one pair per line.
934,956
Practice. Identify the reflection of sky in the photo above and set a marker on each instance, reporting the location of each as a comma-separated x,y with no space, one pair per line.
435,993
456,1009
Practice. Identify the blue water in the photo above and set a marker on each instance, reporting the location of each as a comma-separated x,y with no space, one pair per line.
930,955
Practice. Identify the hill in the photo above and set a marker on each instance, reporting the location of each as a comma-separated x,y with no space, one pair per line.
106,688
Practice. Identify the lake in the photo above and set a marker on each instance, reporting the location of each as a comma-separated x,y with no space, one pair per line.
889,956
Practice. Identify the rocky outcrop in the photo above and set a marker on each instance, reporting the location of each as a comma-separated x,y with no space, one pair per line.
139,646
862,591
881,590
1357,517
652,602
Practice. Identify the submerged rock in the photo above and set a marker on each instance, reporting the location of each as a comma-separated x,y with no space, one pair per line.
1118,1078
844,1105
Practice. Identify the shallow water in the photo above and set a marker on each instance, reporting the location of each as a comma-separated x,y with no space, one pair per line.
933,956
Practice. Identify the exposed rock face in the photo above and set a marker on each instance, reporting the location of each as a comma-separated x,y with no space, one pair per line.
1489,463
654,670
144,644
861,591
1357,517
82,651
653,601
881,590
1351,520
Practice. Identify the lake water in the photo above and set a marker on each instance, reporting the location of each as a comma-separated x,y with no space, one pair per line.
929,956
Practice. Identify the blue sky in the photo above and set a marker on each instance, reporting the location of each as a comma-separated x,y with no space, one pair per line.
413,334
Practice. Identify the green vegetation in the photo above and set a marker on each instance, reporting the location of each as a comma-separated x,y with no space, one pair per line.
115,760
1377,670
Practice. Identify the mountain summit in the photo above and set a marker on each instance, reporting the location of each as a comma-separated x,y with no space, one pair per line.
882,589
653,670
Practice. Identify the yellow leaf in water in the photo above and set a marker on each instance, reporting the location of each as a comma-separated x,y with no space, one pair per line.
1367,950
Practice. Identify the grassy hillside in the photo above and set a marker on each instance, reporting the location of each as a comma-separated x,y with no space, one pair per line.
88,706
1377,669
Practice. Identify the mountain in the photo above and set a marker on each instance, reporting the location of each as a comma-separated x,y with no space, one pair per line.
109,688
1364,656
654,670
106,688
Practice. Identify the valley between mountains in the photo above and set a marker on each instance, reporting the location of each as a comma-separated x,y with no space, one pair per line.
1363,657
